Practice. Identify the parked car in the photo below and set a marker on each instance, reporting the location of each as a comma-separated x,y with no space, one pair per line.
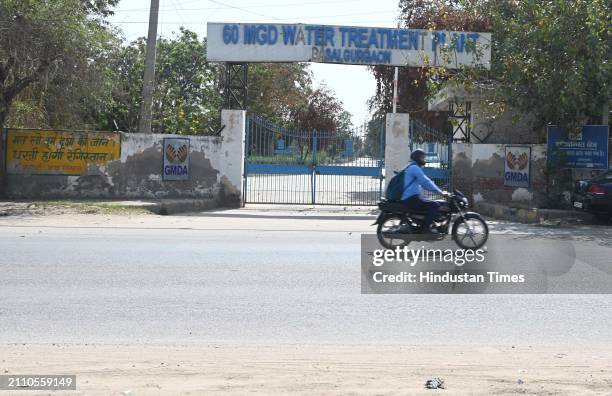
595,195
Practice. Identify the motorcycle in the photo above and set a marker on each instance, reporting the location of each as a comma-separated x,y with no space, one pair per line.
396,225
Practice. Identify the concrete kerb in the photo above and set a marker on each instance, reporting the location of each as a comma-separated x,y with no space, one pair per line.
167,207
532,215
297,212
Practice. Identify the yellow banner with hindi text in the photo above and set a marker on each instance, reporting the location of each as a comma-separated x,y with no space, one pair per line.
36,151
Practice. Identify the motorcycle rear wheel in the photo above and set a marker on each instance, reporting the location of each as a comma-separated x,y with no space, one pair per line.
387,232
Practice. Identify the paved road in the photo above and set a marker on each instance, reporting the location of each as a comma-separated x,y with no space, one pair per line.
197,279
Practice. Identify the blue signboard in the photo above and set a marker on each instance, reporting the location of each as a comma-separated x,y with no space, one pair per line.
176,159
587,148
348,148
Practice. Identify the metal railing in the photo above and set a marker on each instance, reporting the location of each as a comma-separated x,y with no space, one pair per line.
293,166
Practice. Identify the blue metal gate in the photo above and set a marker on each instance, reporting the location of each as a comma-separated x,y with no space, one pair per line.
438,146
290,166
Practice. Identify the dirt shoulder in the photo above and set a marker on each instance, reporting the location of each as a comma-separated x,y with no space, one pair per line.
221,368
54,208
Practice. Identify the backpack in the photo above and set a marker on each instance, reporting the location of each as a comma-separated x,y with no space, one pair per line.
396,186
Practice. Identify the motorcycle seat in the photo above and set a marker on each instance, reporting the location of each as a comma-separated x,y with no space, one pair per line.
417,212
397,206
392,206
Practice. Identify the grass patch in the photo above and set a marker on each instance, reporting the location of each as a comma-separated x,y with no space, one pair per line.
89,207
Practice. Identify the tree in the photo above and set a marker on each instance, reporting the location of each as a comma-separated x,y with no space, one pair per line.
278,90
128,68
550,59
42,40
344,121
414,82
101,8
187,96
62,66
323,112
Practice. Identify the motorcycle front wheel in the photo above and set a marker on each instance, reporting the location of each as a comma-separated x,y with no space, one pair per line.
470,232
388,232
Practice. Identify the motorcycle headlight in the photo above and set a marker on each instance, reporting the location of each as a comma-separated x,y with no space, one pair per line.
464,201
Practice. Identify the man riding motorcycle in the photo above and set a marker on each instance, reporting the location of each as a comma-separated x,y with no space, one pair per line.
414,180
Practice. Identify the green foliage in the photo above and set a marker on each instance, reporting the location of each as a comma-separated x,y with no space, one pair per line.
550,58
101,8
127,66
62,66
344,122
187,95
51,56
283,94
415,83
323,112
79,96
188,92
278,91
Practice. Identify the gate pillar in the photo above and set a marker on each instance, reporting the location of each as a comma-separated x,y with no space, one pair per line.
3,142
234,138
397,143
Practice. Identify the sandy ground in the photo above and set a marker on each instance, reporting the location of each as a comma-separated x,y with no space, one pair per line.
315,370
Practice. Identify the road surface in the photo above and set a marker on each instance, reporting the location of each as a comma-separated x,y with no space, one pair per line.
193,278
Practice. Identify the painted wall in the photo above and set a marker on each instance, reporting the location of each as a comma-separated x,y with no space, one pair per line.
489,123
2,163
215,170
509,127
397,143
478,171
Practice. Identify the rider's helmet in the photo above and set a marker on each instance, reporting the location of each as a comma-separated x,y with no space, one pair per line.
418,156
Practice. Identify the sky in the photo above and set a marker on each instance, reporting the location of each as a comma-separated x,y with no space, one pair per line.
353,85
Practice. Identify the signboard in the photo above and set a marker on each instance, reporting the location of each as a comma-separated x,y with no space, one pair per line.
251,42
586,147
39,152
176,159
517,166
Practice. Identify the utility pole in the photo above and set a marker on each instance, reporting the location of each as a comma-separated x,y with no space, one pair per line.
144,124
395,98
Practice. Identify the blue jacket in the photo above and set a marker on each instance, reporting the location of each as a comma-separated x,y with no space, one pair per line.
414,179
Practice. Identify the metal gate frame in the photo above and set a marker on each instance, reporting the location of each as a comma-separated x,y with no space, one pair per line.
289,166
438,146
